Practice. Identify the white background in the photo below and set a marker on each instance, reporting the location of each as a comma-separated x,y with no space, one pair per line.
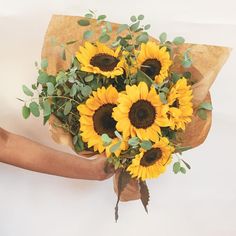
201,203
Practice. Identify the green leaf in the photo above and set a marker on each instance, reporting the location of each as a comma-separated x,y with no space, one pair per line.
46,108
27,91
63,54
135,26
140,17
118,135
178,40
142,38
206,106
182,149
147,27
133,18
163,37
187,75
122,28
175,77
86,91
176,167
202,113
186,164
67,108
89,15
75,139
44,63
88,34
106,139
34,108
43,77
115,147
133,141
45,119
73,90
141,76
104,38
89,78
25,112
144,192
182,170
101,17
109,26
71,42
163,98
50,88
146,144
186,63
83,22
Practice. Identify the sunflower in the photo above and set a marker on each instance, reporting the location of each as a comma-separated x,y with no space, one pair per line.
140,112
96,118
151,163
100,59
154,61
180,102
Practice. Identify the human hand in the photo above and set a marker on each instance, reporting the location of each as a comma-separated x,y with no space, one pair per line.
130,192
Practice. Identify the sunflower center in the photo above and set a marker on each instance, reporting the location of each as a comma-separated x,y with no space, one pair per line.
142,114
151,156
176,103
151,67
103,121
104,62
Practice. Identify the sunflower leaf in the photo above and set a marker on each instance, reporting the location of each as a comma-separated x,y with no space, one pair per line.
123,180
206,106
176,167
144,192
115,147
146,144
141,76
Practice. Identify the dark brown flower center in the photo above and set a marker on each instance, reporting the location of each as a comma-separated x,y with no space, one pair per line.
103,121
151,67
104,62
142,114
176,103
151,156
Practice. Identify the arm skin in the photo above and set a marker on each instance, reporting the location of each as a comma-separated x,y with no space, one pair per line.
25,153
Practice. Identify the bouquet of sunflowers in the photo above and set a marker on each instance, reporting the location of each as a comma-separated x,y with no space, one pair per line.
113,89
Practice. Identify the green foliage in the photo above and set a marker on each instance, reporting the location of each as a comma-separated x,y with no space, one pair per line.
46,108
206,106
142,77
50,88
115,147
87,34
176,167
44,63
67,108
104,38
163,37
178,40
203,108
27,91
187,61
163,97
25,112
34,109
83,22
146,144
133,141
106,139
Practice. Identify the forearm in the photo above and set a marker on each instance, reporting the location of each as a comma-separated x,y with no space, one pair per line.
22,152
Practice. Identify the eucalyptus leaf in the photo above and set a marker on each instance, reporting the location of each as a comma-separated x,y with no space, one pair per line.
27,91
182,170
88,34
115,147
133,18
83,22
46,108
122,28
44,63
146,144
43,77
34,109
104,38
163,97
133,141
202,113
206,106
86,91
89,78
147,27
178,40
89,15
176,167
163,37
106,139
135,26
109,26
142,38
25,112
50,88
101,17
118,135
140,17
67,108
73,90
